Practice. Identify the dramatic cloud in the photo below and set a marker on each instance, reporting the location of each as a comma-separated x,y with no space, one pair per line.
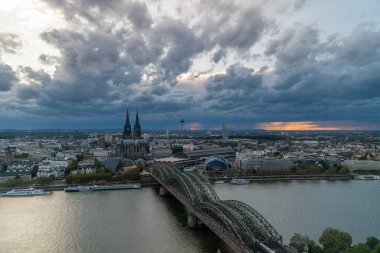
9,43
207,61
139,16
8,77
311,80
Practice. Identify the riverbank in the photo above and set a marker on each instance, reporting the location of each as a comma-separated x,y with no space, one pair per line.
272,178
61,187
287,178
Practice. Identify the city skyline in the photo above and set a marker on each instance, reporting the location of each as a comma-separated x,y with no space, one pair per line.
288,65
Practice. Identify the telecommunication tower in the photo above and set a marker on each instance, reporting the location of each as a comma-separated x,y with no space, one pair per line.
182,121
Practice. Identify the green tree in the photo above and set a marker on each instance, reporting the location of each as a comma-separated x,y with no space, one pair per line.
377,248
79,157
43,180
359,248
132,174
72,166
343,170
335,241
372,242
4,167
299,241
34,170
97,164
330,170
119,166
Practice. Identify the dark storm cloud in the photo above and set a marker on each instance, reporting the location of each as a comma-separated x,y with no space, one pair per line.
218,55
360,49
230,25
116,54
35,77
95,12
312,80
7,77
295,47
9,44
98,73
170,44
27,93
139,16
178,45
91,66
245,31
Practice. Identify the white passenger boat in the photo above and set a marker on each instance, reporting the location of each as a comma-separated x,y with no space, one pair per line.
367,177
23,192
219,182
239,181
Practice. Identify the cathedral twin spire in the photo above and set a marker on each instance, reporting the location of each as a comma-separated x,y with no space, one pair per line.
127,133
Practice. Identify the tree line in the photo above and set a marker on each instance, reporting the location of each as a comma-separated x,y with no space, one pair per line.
334,241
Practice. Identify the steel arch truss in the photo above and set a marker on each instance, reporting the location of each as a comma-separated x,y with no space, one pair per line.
263,231
193,186
236,220
242,222
228,221
162,172
206,188
188,185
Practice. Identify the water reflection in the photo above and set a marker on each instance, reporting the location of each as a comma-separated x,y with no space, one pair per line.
142,221
124,221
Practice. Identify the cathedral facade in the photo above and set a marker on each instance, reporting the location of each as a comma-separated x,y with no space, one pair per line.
132,146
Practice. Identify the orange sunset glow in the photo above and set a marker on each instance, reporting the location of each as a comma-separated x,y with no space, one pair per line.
300,125
195,126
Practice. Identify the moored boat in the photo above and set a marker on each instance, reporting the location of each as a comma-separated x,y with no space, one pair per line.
219,182
77,189
23,192
115,187
102,187
367,177
239,181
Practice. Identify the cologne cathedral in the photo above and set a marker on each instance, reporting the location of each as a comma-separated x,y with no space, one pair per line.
132,146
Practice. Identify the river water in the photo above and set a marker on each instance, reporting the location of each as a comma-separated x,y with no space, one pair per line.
141,221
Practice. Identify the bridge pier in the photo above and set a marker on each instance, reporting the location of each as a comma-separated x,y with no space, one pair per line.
193,221
163,191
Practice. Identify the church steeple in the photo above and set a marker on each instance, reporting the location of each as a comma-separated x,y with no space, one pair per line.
127,133
137,127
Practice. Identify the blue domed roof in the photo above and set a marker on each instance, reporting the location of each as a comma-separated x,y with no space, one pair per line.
216,161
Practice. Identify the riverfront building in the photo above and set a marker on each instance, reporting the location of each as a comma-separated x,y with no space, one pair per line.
266,165
227,153
9,174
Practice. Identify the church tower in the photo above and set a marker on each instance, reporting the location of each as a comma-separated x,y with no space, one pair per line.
137,127
127,134
133,146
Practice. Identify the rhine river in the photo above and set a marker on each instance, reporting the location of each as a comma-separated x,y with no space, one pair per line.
141,221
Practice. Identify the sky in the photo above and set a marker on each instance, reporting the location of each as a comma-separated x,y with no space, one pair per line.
275,65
